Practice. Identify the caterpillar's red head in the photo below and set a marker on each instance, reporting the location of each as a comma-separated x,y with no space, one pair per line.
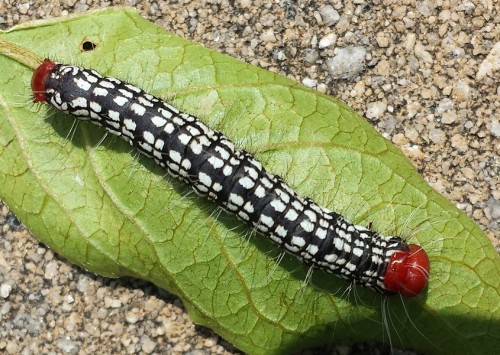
39,79
407,271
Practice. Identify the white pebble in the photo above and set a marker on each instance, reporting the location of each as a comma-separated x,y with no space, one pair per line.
490,64
147,344
376,109
494,127
327,40
5,290
309,82
449,117
329,15
347,63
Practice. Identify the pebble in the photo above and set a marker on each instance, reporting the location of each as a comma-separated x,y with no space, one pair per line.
329,15
310,82
449,117
67,345
5,290
327,40
436,136
375,110
494,127
422,54
147,345
347,63
490,64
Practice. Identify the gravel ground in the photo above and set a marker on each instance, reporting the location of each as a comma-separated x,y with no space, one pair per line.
425,78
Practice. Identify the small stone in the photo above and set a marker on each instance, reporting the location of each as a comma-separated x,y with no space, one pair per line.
490,64
422,54
461,91
310,56
375,110
5,290
23,8
436,136
50,270
112,303
459,142
67,345
327,40
347,63
11,348
494,128
382,40
309,82
131,317
449,117
147,344
268,36
329,15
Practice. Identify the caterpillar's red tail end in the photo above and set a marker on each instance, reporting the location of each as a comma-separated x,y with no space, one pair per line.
408,271
39,78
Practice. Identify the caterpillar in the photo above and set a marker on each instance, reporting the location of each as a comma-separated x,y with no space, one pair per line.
214,168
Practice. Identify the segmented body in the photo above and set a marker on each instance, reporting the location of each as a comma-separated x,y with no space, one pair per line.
213,167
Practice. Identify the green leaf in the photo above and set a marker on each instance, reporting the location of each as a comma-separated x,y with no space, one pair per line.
101,207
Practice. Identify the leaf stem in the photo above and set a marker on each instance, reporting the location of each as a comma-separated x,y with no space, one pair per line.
20,54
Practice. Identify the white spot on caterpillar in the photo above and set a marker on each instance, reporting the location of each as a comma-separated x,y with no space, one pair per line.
321,233
165,113
184,138
223,153
216,162
79,102
133,88
281,231
266,220
145,102
186,164
82,84
205,179
252,172
106,84
148,137
298,241
311,215
95,106
175,156
159,144
248,207
82,113
312,249
307,226
169,128
236,199
278,205
138,109
227,171
246,182
100,91
193,130
260,192
158,121
196,147
129,124
126,93
90,78
291,215
115,116
120,100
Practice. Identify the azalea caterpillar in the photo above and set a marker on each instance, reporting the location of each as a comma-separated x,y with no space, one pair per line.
214,168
